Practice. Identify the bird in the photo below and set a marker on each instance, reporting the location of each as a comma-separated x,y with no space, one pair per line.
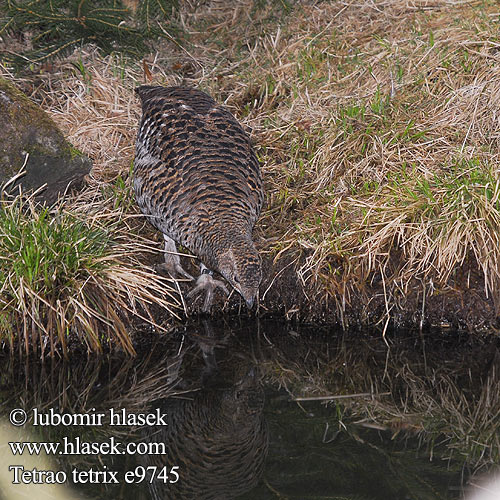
217,436
197,179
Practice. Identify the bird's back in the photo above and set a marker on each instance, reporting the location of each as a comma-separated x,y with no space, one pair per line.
195,171
218,437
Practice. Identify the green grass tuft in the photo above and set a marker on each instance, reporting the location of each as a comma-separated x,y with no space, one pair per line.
47,252
63,275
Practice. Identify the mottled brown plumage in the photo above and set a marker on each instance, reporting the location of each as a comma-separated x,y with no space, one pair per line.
197,179
217,436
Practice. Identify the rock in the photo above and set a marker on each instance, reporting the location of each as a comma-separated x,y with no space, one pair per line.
27,129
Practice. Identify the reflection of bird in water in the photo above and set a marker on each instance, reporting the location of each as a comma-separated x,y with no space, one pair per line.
197,179
218,439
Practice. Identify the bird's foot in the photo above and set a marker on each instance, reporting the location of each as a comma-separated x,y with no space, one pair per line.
173,268
206,283
172,264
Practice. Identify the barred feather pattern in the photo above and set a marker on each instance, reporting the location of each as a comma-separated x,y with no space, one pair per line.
198,180
219,440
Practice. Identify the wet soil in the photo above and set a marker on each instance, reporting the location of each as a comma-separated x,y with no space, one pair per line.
459,304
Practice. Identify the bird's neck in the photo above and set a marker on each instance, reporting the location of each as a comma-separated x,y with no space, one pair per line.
223,238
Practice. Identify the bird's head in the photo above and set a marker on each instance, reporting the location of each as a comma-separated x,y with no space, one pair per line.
241,265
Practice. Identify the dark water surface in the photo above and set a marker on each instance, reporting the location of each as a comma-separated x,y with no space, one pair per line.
236,411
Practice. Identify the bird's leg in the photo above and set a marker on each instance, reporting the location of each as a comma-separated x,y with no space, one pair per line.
208,352
208,284
172,262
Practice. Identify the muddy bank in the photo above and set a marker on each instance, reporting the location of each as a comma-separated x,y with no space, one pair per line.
285,293
459,304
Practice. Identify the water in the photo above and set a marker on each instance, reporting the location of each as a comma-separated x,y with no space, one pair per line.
235,411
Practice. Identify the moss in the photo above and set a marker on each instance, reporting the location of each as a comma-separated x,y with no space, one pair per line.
74,152
28,129
25,111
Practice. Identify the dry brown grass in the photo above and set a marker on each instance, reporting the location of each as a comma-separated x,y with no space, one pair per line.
69,273
376,123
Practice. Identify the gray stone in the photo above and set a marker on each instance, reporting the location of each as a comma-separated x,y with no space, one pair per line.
27,129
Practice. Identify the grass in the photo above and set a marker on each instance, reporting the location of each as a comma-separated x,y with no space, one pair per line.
437,222
63,276
376,127
378,144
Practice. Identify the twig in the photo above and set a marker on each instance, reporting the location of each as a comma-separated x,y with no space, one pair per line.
342,396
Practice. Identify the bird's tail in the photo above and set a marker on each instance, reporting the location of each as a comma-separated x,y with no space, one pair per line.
144,91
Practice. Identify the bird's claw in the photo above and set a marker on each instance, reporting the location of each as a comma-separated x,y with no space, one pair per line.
207,283
174,269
